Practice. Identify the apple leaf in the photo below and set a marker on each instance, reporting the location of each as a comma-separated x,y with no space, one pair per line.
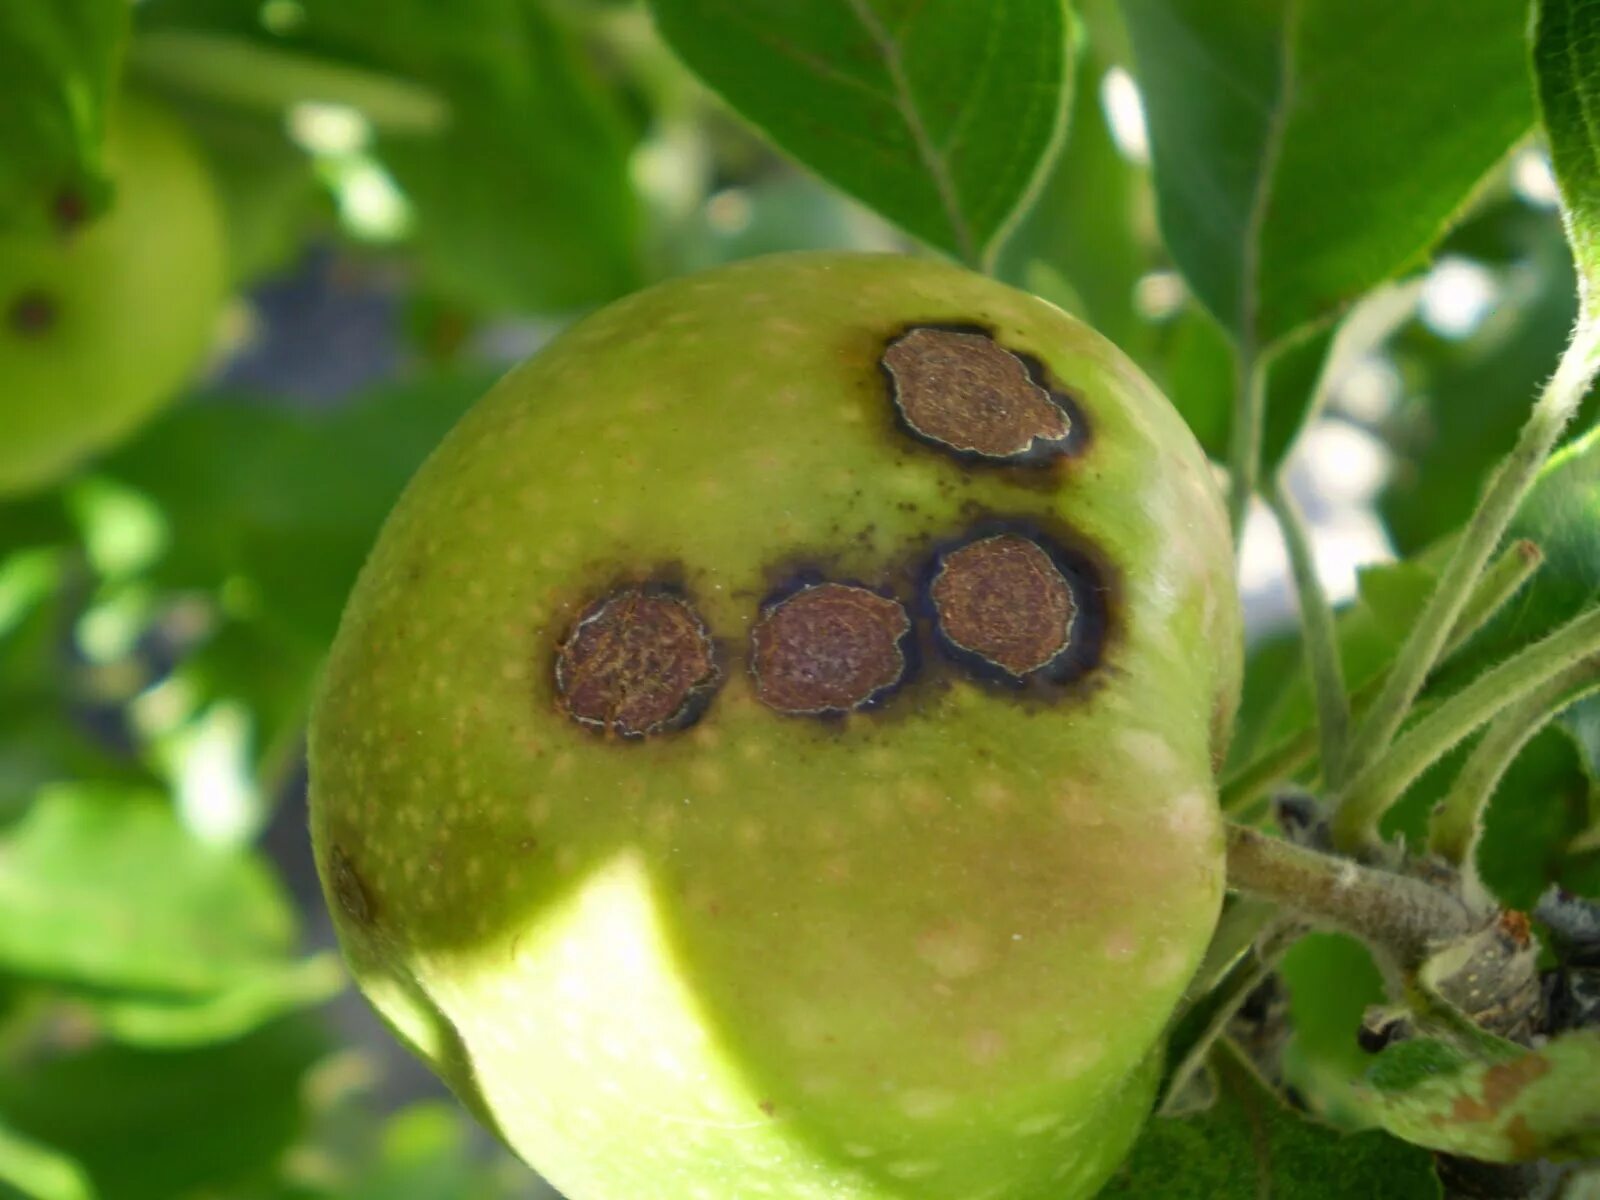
37,1172
146,1125
1465,400
1306,150
1091,235
158,1021
58,65
102,887
288,501
522,199
940,114
1331,979
1248,1145
1542,1103
1566,66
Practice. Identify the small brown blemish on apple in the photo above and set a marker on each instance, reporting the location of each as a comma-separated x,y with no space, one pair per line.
348,889
956,388
1004,599
32,313
639,661
69,210
828,648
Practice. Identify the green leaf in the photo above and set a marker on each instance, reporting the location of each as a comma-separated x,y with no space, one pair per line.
522,199
1088,225
1466,400
1537,811
940,114
286,502
1200,378
425,1155
1306,150
1542,1103
1248,1145
38,1172
58,66
1566,67
155,1126
103,887
1331,979
161,1022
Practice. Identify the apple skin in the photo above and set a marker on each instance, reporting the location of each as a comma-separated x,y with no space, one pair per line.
924,950
123,307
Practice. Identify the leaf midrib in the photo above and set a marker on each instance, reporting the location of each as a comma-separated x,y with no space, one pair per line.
928,153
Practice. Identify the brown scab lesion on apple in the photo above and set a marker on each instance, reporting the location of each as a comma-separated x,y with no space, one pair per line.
958,389
1011,605
828,649
639,661
1003,599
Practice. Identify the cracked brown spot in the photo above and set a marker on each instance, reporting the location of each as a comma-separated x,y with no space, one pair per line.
639,661
32,313
1004,599
963,391
828,648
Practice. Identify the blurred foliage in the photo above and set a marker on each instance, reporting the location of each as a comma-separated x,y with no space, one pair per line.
60,61
491,174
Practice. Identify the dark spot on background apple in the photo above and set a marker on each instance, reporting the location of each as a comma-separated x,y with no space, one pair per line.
639,661
32,313
69,210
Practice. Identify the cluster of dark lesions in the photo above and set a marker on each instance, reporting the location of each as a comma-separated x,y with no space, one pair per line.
959,390
1004,604
639,661
830,649
1014,607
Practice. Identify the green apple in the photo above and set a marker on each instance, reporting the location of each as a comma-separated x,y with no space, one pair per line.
101,322
769,751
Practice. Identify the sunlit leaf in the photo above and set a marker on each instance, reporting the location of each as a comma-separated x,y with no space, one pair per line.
1566,64
104,887
941,115
1306,150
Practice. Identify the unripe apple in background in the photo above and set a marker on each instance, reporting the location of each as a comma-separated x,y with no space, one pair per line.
102,321
769,749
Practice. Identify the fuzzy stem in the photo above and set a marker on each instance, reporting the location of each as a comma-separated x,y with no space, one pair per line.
1506,488
1320,639
1288,756
1381,783
1395,912
1502,580
1457,823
